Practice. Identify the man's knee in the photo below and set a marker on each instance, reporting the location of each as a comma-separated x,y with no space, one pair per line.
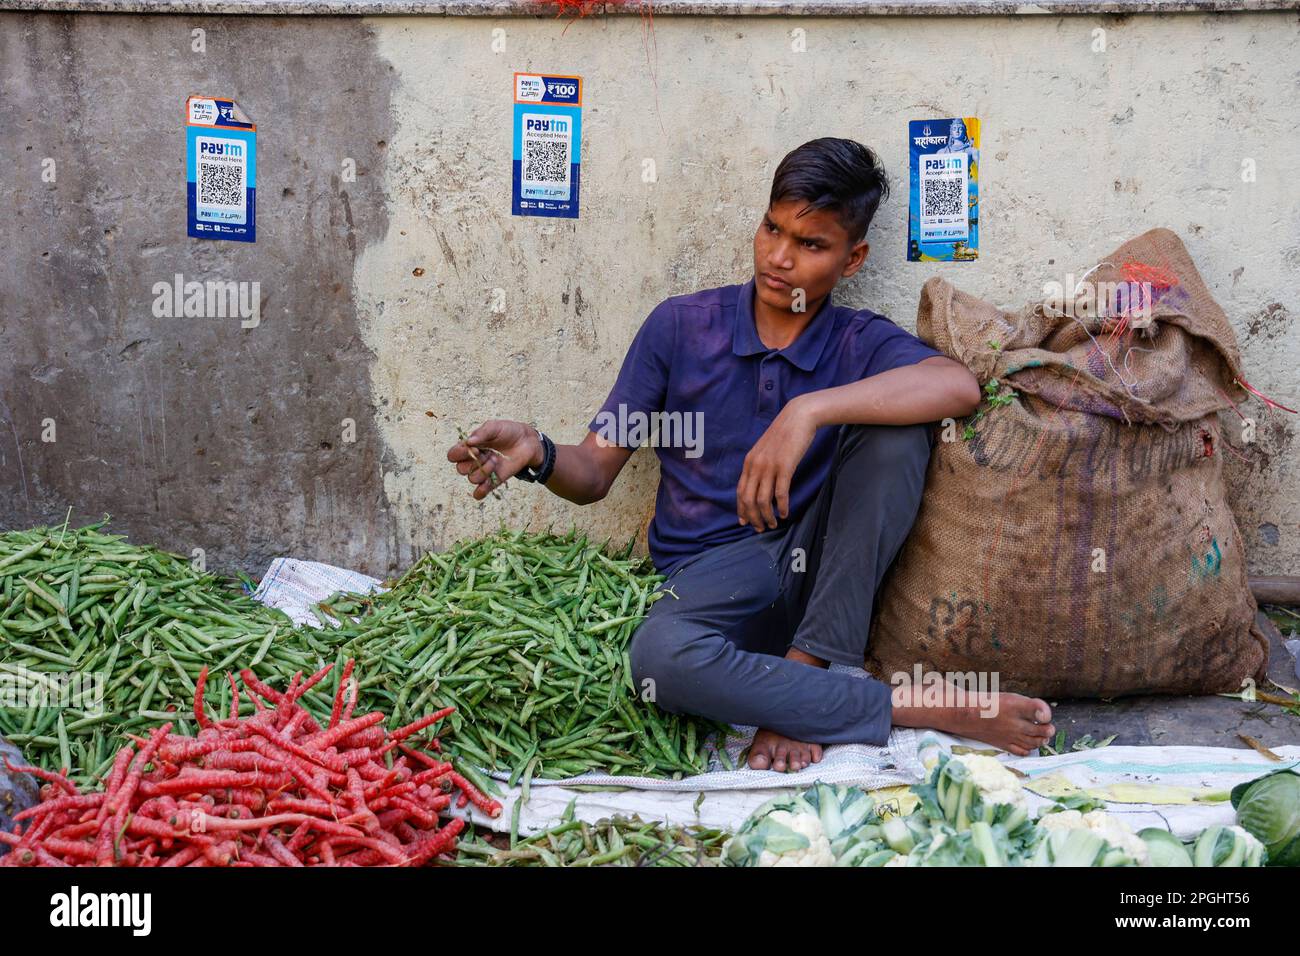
657,655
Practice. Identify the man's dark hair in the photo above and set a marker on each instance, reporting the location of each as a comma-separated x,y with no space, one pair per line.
836,174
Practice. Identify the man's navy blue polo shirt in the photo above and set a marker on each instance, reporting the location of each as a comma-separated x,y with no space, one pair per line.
698,370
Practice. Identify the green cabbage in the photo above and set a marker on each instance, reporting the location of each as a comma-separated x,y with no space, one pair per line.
1269,809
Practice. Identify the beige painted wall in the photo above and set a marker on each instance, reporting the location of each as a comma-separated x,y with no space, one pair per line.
1081,150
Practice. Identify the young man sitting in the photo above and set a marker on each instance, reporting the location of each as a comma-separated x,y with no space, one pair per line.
777,522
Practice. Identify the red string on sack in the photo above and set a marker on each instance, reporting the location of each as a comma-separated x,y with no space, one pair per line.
1154,276
1262,397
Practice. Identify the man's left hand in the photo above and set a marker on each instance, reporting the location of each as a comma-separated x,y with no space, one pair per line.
770,465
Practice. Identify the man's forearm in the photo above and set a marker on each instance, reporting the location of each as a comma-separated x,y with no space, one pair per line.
910,395
573,477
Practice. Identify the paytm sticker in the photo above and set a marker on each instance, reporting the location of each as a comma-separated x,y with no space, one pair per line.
943,214
547,137
220,170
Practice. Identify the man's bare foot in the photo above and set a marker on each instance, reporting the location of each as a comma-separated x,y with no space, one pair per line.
771,751
1011,722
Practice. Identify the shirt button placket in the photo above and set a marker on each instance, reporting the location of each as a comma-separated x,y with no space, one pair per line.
766,383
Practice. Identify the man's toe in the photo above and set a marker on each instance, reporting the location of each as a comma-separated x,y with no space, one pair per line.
779,756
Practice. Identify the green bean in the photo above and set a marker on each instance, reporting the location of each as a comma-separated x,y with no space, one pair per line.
265,646
65,752
23,553
514,822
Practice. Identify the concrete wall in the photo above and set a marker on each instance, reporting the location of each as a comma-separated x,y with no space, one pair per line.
378,294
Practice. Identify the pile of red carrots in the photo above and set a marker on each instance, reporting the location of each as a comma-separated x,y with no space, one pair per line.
270,789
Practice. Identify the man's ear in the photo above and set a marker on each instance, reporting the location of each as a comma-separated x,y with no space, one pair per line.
857,256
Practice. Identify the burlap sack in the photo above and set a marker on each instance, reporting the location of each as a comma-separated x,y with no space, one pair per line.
1080,544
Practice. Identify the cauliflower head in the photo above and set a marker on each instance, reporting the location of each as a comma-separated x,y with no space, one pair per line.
1117,833
818,851
996,783
1114,831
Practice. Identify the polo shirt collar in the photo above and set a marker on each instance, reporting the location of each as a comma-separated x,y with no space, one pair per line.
804,352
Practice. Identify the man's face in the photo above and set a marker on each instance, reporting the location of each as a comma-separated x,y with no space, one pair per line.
809,252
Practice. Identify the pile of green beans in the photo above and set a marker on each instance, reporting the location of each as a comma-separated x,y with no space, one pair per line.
81,602
617,842
527,636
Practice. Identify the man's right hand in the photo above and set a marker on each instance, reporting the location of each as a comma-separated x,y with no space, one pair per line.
500,447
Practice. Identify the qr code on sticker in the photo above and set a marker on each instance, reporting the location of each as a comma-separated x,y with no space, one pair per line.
221,184
546,161
944,197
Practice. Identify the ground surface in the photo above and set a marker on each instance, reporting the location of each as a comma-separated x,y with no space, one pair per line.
1200,721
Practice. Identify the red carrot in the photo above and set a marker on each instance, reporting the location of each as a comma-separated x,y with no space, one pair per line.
240,760
187,750
286,704
301,771
295,724
300,837
351,703
185,856
201,780
122,799
388,852
312,681
370,737
432,775
279,852
418,813
221,854
489,806
199,716
283,804
328,761
78,831
437,843
59,804
58,780
393,790
344,684
403,732
342,731
234,697
420,757
258,688
65,848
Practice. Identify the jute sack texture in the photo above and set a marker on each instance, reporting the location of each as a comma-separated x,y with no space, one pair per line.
1080,544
